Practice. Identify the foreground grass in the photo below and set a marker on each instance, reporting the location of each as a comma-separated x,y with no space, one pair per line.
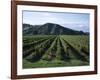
54,63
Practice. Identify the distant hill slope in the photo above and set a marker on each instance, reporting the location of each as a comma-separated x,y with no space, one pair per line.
49,29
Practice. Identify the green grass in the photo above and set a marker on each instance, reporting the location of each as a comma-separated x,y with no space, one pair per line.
54,63
55,51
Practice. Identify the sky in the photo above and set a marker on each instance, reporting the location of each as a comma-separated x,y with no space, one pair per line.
76,21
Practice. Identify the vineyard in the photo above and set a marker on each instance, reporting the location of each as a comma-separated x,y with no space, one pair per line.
55,51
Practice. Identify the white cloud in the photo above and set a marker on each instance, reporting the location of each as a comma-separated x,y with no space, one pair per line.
46,14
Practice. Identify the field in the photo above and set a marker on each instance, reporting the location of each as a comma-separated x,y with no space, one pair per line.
55,51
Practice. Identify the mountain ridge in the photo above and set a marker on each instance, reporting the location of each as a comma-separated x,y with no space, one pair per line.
49,29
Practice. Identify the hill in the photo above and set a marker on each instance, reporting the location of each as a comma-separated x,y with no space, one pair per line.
49,29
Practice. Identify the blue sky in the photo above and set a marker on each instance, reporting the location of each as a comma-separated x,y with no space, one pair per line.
76,21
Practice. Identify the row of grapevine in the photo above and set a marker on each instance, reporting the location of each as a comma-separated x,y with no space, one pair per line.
27,51
79,55
81,43
67,49
31,44
51,52
39,50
